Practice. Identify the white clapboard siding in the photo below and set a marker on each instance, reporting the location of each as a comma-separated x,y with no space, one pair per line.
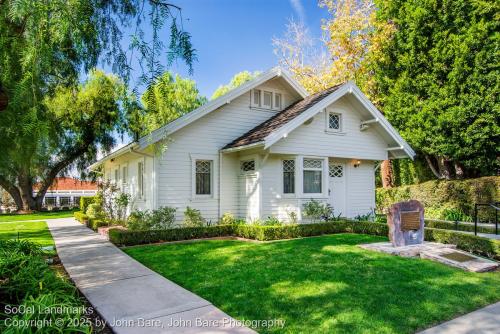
206,137
313,139
360,188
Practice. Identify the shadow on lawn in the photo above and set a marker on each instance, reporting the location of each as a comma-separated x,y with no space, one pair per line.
324,284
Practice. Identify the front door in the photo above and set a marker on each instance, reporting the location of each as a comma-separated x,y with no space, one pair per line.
337,188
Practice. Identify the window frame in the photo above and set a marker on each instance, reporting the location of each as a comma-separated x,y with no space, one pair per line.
271,100
332,113
140,179
242,162
294,178
214,187
315,169
260,105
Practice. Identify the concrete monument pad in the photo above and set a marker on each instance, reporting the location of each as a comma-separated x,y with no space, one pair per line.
460,259
446,254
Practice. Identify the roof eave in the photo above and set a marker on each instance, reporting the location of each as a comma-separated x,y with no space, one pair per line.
242,147
124,149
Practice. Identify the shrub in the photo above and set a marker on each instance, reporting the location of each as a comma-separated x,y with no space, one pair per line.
369,216
80,216
316,210
129,238
95,223
227,219
292,217
85,201
448,225
94,211
439,196
193,218
160,219
271,221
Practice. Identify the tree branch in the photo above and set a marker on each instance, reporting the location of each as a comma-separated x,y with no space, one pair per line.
12,190
432,167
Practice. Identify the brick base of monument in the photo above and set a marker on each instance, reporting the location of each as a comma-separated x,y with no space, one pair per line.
443,253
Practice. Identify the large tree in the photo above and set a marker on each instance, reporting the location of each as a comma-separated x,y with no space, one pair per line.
167,98
48,44
237,80
439,82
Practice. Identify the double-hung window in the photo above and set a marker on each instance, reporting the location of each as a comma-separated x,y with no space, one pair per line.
288,176
313,176
124,175
203,177
140,179
264,99
117,175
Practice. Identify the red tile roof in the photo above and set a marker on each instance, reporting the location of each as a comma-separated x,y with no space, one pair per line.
261,131
69,183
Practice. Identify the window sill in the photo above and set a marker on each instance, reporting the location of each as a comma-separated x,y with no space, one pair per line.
337,133
265,109
201,198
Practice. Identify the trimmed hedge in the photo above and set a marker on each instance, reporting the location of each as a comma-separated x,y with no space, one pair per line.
80,216
467,242
95,223
256,232
85,201
447,225
440,195
130,238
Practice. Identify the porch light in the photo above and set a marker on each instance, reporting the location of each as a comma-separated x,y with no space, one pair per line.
357,163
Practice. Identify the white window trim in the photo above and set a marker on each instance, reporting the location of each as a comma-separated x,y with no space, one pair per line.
214,182
299,187
141,193
282,185
260,105
340,130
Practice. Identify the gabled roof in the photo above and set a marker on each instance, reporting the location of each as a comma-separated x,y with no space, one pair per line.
207,108
260,132
278,127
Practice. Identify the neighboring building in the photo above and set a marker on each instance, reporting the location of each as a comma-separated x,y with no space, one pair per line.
263,149
66,192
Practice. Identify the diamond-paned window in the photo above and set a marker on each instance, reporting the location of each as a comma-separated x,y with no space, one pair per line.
334,121
313,163
203,177
336,170
288,176
247,166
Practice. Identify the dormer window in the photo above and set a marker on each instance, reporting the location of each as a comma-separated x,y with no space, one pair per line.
266,99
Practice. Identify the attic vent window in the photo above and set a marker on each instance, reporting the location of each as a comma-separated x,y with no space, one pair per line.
266,99
248,166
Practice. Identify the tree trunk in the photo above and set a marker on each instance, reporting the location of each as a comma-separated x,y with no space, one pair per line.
459,170
433,168
387,174
26,190
444,168
13,192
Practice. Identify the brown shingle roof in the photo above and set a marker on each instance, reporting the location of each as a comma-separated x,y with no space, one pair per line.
262,130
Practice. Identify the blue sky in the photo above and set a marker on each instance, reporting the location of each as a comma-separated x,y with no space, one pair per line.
235,35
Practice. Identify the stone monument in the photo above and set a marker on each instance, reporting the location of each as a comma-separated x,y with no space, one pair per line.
406,223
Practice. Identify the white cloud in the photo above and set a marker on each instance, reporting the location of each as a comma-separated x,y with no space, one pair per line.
299,9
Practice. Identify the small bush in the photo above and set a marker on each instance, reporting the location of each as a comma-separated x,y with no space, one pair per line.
316,210
160,219
227,219
95,223
94,211
80,216
292,217
193,218
85,201
271,221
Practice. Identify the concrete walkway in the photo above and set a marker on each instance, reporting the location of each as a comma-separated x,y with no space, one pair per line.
482,321
129,296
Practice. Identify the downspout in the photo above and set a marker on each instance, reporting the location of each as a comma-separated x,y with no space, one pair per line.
219,186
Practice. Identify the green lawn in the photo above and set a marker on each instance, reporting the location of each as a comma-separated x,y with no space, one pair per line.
321,285
34,231
11,217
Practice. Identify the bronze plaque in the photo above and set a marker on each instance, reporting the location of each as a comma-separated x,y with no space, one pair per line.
410,220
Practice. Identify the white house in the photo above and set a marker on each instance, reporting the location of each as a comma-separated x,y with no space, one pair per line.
263,149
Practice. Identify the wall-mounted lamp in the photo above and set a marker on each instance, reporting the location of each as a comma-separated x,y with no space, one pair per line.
357,163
